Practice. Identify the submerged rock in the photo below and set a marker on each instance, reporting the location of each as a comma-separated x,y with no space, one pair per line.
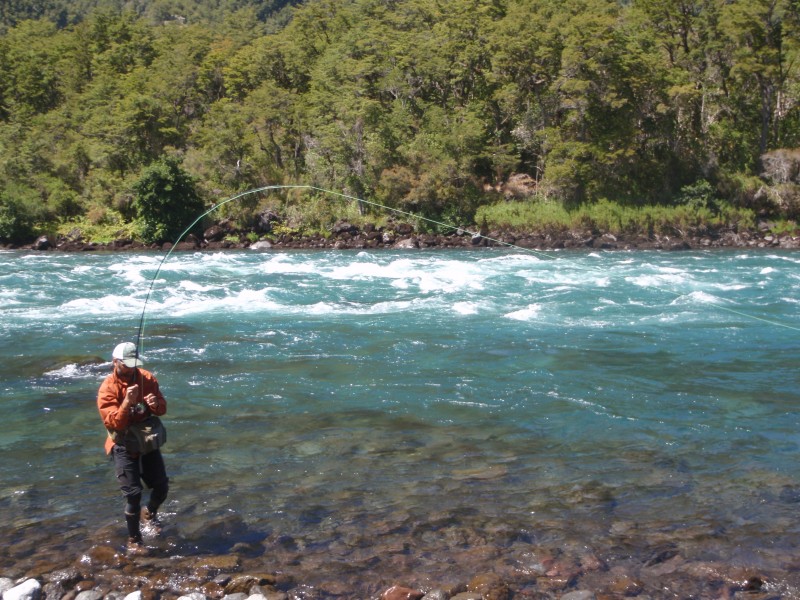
5,585
398,592
579,595
90,595
27,590
435,595
103,555
192,596
490,586
244,583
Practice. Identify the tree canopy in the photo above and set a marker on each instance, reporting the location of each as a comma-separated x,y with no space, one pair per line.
423,105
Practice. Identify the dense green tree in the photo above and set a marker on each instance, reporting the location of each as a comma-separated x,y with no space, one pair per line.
760,35
679,31
166,200
21,210
420,104
28,66
63,13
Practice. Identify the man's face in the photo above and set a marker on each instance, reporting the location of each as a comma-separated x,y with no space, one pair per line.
122,370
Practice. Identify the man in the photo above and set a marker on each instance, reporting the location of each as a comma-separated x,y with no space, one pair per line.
130,395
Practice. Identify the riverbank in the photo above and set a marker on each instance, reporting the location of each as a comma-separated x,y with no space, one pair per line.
346,236
503,568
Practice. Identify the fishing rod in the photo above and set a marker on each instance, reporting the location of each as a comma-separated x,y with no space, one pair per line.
396,211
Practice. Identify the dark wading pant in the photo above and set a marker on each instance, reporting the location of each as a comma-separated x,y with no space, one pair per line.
131,472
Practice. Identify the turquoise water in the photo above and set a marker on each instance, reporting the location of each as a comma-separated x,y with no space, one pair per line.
614,401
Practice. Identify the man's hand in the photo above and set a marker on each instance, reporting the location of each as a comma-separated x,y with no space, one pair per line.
131,396
152,401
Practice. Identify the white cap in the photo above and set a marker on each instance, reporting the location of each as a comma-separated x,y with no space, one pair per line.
126,352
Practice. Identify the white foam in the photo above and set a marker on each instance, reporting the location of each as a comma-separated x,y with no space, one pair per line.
132,270
9,297
191,286
72,371
696,298
426,275
244,301
112,305
733,287
530,313
512,260
570,278
331,308
650,280
465,308
281,264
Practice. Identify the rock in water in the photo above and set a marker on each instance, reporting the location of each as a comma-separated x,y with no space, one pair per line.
397,592
27,590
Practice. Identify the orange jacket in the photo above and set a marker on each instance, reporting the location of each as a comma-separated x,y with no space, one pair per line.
112,393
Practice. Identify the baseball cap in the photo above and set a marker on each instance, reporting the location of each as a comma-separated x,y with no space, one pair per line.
126,352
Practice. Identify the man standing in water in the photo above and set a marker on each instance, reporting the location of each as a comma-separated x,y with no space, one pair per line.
128,396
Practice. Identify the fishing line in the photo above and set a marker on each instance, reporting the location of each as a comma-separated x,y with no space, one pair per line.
316,189
411,215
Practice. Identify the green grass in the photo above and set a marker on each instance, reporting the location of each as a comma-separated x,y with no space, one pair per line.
609,217
104,232
317,216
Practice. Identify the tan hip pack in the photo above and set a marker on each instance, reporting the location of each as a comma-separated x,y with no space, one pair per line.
142,437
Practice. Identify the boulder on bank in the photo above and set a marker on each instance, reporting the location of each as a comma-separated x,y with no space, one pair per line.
261,245
215,233
404,229
42,243
265,222
344,228
406,243
189,243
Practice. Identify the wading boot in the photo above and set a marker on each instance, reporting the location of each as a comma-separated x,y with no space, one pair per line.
136,547
150,523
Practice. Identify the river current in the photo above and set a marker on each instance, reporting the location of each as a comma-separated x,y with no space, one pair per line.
423,402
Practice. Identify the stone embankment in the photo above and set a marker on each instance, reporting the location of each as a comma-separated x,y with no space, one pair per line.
346,236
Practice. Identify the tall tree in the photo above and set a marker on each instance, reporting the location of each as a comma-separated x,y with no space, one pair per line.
758,43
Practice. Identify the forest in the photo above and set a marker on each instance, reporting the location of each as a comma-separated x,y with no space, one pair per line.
461,111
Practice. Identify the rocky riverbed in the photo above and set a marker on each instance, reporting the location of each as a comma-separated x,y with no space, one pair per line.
391,563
